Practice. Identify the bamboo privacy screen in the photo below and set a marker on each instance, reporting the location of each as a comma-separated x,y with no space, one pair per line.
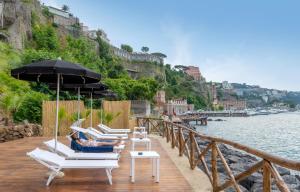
122,121
71,107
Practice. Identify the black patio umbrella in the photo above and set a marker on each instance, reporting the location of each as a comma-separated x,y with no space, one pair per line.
56,71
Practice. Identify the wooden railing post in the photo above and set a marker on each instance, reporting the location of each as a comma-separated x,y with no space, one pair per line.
164,128
214,168
167,132
192,150
266,177
180,141
172,136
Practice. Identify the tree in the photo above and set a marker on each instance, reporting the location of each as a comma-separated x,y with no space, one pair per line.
107,117
145,49
62,115
9,104
127,48
65,8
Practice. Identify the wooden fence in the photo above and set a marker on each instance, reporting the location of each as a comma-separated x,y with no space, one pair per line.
71,107
122,107
185,139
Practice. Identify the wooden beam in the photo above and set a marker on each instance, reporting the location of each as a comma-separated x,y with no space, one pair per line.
228,170
192,150
242,175
278,179
214,168
266,177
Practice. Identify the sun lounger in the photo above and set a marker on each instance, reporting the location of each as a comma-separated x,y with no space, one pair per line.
57,163
109,130
99,134
78,123
83,131
71,154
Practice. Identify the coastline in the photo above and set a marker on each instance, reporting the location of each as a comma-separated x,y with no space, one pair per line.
240,161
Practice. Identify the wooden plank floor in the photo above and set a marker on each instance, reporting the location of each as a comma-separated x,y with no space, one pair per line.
20,173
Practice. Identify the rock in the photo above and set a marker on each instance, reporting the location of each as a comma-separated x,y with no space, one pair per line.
291,179
233,159
282,171
232,189
219,120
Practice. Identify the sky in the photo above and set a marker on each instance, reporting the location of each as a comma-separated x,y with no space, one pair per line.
244,41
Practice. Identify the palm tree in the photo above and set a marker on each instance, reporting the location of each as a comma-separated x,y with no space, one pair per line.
62,114
65,8
9,103
107,117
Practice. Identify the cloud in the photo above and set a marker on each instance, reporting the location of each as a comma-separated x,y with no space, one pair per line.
180,41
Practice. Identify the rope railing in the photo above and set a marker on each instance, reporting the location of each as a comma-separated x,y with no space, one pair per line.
185,139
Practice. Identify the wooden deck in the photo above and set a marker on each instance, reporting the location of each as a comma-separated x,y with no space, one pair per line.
20,173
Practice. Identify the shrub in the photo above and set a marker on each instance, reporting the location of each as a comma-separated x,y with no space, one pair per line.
30,108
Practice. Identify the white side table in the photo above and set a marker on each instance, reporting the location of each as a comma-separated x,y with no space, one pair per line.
153,155
147,141
142,134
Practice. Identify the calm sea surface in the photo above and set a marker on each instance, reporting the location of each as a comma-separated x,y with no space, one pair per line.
277,134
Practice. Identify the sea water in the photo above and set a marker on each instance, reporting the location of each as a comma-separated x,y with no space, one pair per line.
278,134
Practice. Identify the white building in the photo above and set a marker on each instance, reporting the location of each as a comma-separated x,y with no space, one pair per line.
226,85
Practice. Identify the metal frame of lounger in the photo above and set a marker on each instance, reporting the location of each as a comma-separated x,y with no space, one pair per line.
71,154
109,130
57,163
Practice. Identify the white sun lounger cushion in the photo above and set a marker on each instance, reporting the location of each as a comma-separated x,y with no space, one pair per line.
123,136
110,130
74,164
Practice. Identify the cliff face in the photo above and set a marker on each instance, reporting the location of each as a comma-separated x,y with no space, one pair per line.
17,20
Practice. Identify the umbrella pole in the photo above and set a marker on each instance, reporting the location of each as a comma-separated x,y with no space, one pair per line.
78,103
91,124
57,109
101,111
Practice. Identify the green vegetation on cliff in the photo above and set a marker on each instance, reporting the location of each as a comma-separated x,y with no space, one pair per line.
21,100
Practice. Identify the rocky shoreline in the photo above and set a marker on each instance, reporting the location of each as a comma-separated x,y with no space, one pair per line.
239,162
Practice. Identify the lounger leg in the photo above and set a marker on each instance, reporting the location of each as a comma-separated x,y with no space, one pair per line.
157,170
109,175
52,176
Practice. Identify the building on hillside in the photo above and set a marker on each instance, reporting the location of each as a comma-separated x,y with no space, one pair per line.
1,15
63,18
226,85
140,107
233,104
143,57
93,34
85,29
193,72
177,107
160,97
212,89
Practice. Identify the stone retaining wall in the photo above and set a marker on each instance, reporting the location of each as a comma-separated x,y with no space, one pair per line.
8,133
